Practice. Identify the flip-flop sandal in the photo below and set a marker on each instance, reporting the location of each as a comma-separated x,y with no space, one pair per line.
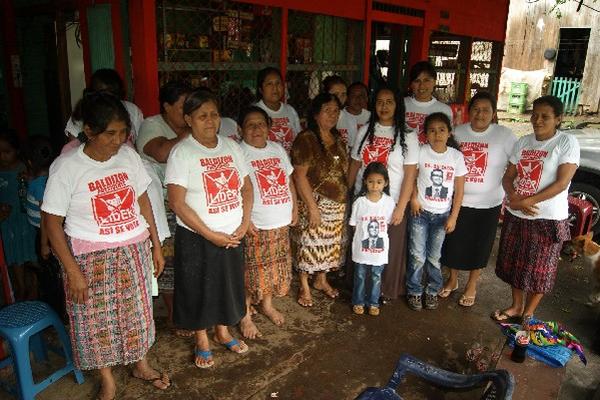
232,343
502,316
467,301
157,381
447,292
206,355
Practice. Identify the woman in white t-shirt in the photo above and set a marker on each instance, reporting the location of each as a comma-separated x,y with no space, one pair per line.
486,148
285,124
357,103
386,139
535,224
108,246
346,124
421,103
435,204
158,135
267,253
108,80
211,194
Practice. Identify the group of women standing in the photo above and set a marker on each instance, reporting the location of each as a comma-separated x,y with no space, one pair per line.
236,210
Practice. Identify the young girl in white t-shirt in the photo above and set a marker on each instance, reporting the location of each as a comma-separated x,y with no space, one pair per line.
371,214
435,204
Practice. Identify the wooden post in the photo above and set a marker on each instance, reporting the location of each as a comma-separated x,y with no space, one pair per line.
368,26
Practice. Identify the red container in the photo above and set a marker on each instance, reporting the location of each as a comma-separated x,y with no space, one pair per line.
580,216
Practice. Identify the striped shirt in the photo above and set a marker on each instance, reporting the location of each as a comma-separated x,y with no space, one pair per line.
35,194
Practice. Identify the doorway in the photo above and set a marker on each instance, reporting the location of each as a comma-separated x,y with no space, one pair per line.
572,51
389,55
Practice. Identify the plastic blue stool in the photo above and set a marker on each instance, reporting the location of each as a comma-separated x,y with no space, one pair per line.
22,322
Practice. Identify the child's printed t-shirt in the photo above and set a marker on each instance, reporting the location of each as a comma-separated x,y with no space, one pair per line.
35,194
346,126
285,124
229,129
370,244
99,200
537,167
213,179
486,156
381,150
435,179
417,111
270,171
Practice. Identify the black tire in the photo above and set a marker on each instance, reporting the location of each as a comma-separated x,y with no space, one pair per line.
590,193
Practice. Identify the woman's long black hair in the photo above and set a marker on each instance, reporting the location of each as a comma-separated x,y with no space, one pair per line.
315,107
399,120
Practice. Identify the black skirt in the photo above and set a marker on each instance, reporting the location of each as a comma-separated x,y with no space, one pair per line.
209,283
470,245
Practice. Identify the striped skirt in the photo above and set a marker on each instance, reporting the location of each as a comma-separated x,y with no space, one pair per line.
321,249
528,252
115,325
268,263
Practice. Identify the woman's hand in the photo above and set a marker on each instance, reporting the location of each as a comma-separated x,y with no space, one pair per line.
450,224
524,204
397,216
159,261
78,286
252,229
45,251
221,239
415,207
241,230
314,217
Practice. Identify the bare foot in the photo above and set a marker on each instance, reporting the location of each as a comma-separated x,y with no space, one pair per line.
274,315
326,288
248,328
107,391
159,380
304,298
253,310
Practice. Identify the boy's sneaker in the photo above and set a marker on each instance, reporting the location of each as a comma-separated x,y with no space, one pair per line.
359,310
415,302
431,301
374,311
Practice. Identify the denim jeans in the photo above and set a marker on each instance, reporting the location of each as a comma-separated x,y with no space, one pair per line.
426,236
367,291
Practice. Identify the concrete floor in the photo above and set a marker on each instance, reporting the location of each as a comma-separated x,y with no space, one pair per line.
326,352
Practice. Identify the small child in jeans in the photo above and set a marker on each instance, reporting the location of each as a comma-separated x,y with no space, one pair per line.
371,213
435,204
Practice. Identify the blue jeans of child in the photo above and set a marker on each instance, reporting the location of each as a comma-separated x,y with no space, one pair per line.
426,236
367,291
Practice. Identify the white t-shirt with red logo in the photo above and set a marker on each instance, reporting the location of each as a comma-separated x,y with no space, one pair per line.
229,129
362,118
417,111
346,126
213,179
270,171
435,178
379,150
285,124
537,167
486,157
370,244
99,200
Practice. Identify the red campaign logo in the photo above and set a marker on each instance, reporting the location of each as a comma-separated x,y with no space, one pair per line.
476,162
529,176
378,151
416,121
272,184
281,133
221,186
114,208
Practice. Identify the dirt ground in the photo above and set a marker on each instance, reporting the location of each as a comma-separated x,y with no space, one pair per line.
326,352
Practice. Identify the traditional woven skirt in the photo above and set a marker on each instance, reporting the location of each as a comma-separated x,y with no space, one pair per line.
393,283
209,283
115,326
165,280
321,249
268,263
470,245
529,251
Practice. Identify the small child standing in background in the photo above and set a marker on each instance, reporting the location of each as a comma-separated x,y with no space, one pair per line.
435,204
371,213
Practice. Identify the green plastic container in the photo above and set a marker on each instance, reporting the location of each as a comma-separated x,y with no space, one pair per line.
519,88
517,99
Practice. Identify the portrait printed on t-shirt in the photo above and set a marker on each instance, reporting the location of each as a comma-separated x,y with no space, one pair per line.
437,190
373,242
